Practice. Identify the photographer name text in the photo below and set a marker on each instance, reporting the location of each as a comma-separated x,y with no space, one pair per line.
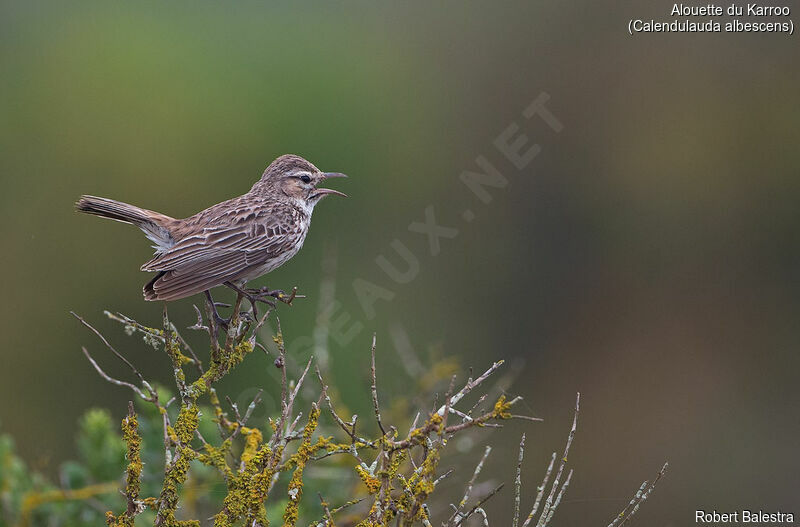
715,517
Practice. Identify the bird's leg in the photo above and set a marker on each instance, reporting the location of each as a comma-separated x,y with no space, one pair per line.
218,320
247,293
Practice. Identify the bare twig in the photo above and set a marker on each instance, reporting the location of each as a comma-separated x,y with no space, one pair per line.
112,380
346,505
199,326
444,476
483,514
549,501
374,388
480,502
518,482
458,512
540,491
558,498
254,333
469,387
447,396
328,516
114,351
642,494
296,390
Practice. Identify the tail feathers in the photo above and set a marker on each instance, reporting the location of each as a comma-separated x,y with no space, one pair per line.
154,225
115,210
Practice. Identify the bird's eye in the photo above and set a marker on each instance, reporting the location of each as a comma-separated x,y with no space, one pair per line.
305,179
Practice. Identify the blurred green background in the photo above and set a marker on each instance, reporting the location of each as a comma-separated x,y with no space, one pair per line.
647,257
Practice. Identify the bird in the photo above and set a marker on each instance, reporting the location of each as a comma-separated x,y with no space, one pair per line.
229,243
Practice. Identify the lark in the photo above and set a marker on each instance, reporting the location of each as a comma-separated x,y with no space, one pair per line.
231,242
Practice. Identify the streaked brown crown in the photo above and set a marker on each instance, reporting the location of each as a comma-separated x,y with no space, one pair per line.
286,164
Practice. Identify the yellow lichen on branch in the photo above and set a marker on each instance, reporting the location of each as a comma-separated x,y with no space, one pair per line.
228,359
302,456
501,409
252,442
133,477
372,483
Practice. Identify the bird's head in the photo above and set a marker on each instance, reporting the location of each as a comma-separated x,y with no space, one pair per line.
298,179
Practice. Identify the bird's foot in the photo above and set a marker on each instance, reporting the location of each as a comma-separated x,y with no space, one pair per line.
261,295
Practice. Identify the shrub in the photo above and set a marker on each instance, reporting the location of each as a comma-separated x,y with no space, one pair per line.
188,459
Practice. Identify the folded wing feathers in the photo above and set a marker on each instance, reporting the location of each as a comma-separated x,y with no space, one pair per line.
204,260
208,246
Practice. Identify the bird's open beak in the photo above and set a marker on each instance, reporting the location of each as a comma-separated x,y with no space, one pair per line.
323,191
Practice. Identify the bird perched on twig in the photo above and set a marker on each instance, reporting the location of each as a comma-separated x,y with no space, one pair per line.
232,242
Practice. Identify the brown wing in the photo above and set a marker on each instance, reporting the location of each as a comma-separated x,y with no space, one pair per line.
222,252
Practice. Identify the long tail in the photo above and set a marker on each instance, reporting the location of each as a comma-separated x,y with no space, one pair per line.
156,226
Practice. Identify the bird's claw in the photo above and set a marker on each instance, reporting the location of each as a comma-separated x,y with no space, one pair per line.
278,294
287,299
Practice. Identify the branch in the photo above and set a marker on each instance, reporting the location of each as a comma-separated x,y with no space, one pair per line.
642,494
548,504
115,352
480,502
540,494
518,482
469,387
468,492
374,389
112,380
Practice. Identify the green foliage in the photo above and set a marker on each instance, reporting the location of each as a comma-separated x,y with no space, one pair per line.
86,486
15,481
101,449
